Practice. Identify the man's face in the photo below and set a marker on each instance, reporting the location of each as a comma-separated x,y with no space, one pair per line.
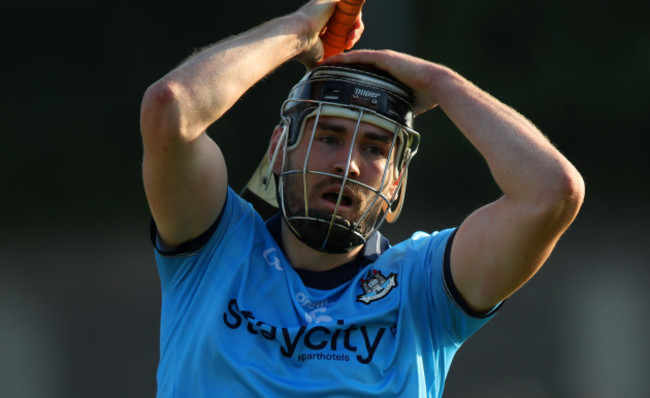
333,144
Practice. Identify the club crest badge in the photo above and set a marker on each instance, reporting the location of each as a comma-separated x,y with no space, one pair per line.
376,286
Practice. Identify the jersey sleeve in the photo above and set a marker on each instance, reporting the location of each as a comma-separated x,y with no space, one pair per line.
451,315
178,266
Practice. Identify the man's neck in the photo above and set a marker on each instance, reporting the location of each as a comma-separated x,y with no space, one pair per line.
304,257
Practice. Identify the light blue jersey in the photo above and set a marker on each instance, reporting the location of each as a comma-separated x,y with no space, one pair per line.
238,321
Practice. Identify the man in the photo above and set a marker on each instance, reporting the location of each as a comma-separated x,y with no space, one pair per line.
316,301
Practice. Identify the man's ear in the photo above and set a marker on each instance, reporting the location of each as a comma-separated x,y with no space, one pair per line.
276,149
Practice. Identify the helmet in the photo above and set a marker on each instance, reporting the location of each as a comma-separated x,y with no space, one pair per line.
362,94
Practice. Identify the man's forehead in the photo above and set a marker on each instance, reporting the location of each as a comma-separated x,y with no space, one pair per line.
346,125
354,114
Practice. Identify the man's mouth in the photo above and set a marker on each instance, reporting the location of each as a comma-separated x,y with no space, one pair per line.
333,197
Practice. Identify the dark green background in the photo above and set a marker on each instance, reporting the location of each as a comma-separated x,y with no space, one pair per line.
79,296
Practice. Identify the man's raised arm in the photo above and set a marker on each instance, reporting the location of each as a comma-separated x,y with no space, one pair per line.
503,244
184,171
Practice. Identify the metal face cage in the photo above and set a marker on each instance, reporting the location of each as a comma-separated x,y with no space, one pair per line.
355,93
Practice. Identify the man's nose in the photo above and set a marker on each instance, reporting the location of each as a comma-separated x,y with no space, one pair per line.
341,163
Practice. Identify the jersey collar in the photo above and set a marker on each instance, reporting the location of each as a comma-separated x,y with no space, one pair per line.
324,280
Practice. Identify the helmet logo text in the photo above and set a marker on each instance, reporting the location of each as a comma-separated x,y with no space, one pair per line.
365,93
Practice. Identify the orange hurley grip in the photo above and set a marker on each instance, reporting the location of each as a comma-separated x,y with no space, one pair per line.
339,25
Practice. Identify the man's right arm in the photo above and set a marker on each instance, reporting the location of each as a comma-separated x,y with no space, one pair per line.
184,170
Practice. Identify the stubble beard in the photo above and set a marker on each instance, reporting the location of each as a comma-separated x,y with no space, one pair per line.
295,201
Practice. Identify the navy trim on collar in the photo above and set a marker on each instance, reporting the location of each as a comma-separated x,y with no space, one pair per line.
324,280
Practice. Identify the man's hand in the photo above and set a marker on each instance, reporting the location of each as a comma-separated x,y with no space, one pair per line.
412,71
315,16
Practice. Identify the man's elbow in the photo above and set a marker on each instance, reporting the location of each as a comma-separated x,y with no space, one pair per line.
160,110
563,199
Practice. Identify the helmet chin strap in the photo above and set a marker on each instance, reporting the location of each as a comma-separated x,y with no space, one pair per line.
319,231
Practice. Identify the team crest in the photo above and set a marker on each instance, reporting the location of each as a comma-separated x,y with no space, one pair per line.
376,286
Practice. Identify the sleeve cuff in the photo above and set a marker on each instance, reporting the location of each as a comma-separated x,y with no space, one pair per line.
452,290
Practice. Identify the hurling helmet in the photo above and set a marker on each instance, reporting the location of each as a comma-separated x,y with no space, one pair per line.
365,95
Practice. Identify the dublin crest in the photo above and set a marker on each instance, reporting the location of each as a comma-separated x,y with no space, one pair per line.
376,286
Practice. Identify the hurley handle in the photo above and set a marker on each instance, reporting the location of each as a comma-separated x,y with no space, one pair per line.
339,25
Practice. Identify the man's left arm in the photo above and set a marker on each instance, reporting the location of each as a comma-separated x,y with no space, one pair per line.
500,246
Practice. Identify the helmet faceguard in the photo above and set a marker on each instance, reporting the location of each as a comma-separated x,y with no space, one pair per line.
364,95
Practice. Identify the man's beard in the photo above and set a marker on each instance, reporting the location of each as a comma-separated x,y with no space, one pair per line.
298,205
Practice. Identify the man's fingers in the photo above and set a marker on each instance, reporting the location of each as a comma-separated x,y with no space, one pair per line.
355,33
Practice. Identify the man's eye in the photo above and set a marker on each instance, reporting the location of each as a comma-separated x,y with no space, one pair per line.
375,150
327,140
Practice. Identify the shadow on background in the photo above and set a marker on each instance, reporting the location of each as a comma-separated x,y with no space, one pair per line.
79,293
